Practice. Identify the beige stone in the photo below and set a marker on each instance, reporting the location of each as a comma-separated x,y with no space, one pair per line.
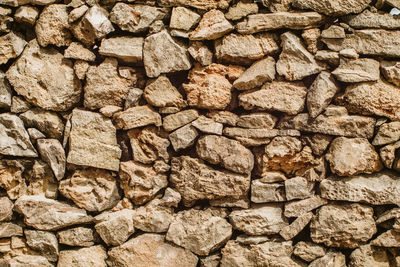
330,259
377,189
29,261
26,14
345,226
333,32
11,46
90,256
9,229
183,18
81,68
150,250
257,120
52,26
156,61
198,4
389,238
52,152
312,39
223,116
48,214
387,133
136,117
208,126
6,209
5,92
333,8
298,208
140,182
126,48
77,51
213,25
288,97
201,231
161,93
201,53
357,70
93,141
298,188
77,13
44,242
391,71
368,255
257,74
210,261
77,237
272,21
264,192
308,251
45,78
241,10
331,57
179,119
245,49
47,122
229,153
292,230
196,181
370,19
19,104
184,137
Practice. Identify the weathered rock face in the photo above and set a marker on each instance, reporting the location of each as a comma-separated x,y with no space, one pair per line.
151,250
369,255
357,70
136,117
258,73
53,154
161,93
348,225
128,49
333,8
45,78
47,122
91,256
212,26
78,236
44,242
11,46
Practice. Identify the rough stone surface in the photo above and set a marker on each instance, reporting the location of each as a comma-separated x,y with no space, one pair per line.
330,259
333,8
128,49
11,46
257,74
387,133
391,71
91,256
308,251
183,18
368,255
136,117
5,92
183,137
357,70
213,25
292,230
161,93
44,242
52,152
6,209
78,236
47,122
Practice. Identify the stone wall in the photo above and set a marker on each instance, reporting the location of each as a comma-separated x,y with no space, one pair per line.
187,133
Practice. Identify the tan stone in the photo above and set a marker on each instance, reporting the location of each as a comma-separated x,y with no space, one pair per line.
179,119
183,18
77,51
6,209
256,75
201,231
19,104
201,53
298,188
52,152
44,242
5,93
48,214
77,237
331,57
272,21
330,259
387,133
90,256
81,68
210,261
257,120
150,250
11,46
368,255
388,155
161,93
26,14
241,10
292,230
333,8
140,182
196,181
308,251
370,19
126,48
229,153
45,78
46,121
264,192
389,238
136,117
208,87
52,26
213,25
345,226
357,70
93,141
288,97
29,261
312,39
184,137
198,4
77,13
223,116
298,208
391,71
9,229
207,125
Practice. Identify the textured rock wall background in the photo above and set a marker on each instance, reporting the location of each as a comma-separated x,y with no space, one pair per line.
209,133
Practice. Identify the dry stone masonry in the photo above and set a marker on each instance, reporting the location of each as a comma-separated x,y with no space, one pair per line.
199,133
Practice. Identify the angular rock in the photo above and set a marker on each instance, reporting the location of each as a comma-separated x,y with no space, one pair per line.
47,122
47,214
257,74
213,25
145,250
52,152
330,259
184,137
344,125
156,61
77,237
91,189
368,255
14,138
91,256
77,13
331,57
29,261
238,49
257,120
161,93
298,188
345,226
81,68
45,78
357,70
207,125
369,42
389,238
223,116
11,46
391,71
298,208
312,39
295,62
93,141
136,18
140,182
201,53
288,97
272,21
27,14
387,133
333,8
196,181
308,251
19,104
208,87
388,155
377,189
241,10
369,19
77,51
320,93
126,48
52,26
201,231
5,92
183,18
350,156
136,117
6,209
292,230
264,192
44,242
210,261
264,219
179,119
8,229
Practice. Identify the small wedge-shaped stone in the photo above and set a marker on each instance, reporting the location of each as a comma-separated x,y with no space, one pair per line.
330,259
345,226
6,209
369,19
357,70
179,119
14,138
263,191
183,18
11,46
280,20
345,125
241,10
387,239
308,251
207,125
161,93
91,189
77,51
93,141
229,153
387,133
288,97
333,7
200,231
44,242
126,48
368,255
5,92
350,156
156,61
263,219
320,93
391,71
194,180
213,25
29,261
292,230
52,152
298,208
47,122
145,251
295,62
257,74
47,214
136,117
76,237
184,137
91,256
378,189
9,229
45,78
368,42
257,120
